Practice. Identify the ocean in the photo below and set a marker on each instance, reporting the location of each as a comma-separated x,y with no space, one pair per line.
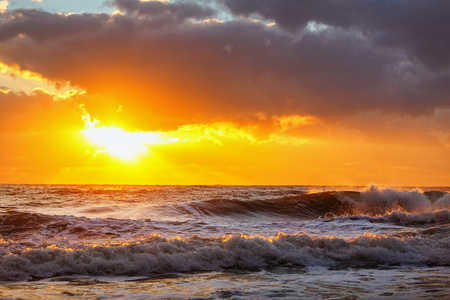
224,242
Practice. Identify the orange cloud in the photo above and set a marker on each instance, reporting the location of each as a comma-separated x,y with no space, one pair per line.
37,112
293,121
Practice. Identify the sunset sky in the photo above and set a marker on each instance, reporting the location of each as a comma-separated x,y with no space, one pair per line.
324,92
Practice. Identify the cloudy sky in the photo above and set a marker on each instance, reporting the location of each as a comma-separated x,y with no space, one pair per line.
225,92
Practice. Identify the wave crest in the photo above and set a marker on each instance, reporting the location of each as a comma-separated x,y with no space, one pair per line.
371,202
375,201
159,255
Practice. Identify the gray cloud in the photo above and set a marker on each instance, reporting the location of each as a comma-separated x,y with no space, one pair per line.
178,12
421,27
220,71
41,25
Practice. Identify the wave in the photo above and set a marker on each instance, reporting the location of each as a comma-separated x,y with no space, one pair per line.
440,217
308,206
33,228
159,255
229,202
376,202
375,205
371,202
24,225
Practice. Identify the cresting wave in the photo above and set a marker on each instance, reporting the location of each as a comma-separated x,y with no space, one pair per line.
372,202
306,207
159,255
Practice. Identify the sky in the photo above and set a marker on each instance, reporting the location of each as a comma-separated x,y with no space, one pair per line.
225,92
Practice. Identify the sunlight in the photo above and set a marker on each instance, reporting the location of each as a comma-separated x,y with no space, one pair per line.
118,142
128,145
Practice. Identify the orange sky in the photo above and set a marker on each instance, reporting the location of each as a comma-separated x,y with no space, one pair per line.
179,93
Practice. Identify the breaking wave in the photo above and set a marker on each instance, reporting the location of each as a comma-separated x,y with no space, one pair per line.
372,202
440,217
159,255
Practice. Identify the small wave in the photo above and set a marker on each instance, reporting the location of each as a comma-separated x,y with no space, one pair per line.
439,217
24,225
399,217
159,255
14,222
33,227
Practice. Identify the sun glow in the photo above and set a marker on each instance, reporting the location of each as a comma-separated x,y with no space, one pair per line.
118,142
128,145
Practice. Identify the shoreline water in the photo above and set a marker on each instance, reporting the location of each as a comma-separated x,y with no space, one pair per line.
285,283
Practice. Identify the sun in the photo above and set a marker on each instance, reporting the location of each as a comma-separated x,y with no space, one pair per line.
118,142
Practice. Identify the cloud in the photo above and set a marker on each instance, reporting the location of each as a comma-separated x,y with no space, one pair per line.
39,112
419,27
165,70
163,11
382,127
3,5
42,26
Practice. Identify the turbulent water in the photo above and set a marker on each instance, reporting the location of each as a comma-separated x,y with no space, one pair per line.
224,242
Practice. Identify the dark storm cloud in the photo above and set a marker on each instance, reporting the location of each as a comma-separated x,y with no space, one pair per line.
231,70
421,27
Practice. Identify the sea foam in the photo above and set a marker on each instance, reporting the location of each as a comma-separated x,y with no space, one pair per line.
159,255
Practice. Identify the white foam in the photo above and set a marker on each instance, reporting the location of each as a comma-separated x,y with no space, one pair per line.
443,203
399,217
159,255
377,200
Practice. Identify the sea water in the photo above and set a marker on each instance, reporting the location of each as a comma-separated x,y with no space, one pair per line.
234,242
